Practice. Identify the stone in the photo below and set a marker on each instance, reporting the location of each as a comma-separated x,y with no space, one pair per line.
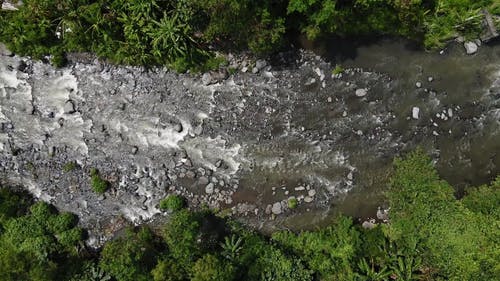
418,84
7,6
311,192
4,51
350,176
368,225
308,199
255,70
203,180
450,112
415,112
361,92
430,78
178,127
190,174
209,189
276,209
470,47
329,99
69,107
244,69
269,209
260,64
382,214
300,188
206,79
135,149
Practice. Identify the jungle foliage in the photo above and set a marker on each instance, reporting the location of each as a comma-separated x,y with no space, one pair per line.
182,33
431,236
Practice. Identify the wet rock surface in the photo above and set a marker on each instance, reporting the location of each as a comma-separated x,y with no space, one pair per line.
244,143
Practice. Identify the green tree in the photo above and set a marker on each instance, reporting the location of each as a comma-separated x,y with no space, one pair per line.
131,258
211,268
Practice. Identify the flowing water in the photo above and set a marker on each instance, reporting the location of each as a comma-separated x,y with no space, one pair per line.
465,90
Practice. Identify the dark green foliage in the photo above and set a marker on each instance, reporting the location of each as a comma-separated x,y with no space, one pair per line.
329,252
425,218
91,272
98,184
132,257
211,268
70,166
12,204
231,247
484,199
39,245
173,203
179,33
168,270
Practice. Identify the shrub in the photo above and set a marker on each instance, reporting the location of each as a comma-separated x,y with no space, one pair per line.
130,258
173,203
99,185
338,69
292,203
70,166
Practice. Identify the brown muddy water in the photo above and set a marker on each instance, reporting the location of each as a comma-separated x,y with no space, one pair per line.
458,97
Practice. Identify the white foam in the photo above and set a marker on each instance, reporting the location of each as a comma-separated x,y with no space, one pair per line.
207,151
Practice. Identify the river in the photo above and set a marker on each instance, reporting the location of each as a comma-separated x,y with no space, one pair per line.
247,143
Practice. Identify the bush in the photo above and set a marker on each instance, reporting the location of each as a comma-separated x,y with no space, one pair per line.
70,166
211,268
173,203
292,203
131,258
98,184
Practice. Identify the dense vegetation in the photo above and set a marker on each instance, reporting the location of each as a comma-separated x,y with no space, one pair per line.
180,33
431,236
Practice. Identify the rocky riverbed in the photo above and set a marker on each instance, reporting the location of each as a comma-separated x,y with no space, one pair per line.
244,143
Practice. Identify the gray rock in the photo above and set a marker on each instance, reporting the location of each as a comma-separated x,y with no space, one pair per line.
418,84
368,225
430,78
311,192
190,174
470,47
206,79
308,199
4,51
178,127
8,6
277,208
269,209
255,70
203,180
69,107
135,149
209,189
415,112
382,214
361,92
260,64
